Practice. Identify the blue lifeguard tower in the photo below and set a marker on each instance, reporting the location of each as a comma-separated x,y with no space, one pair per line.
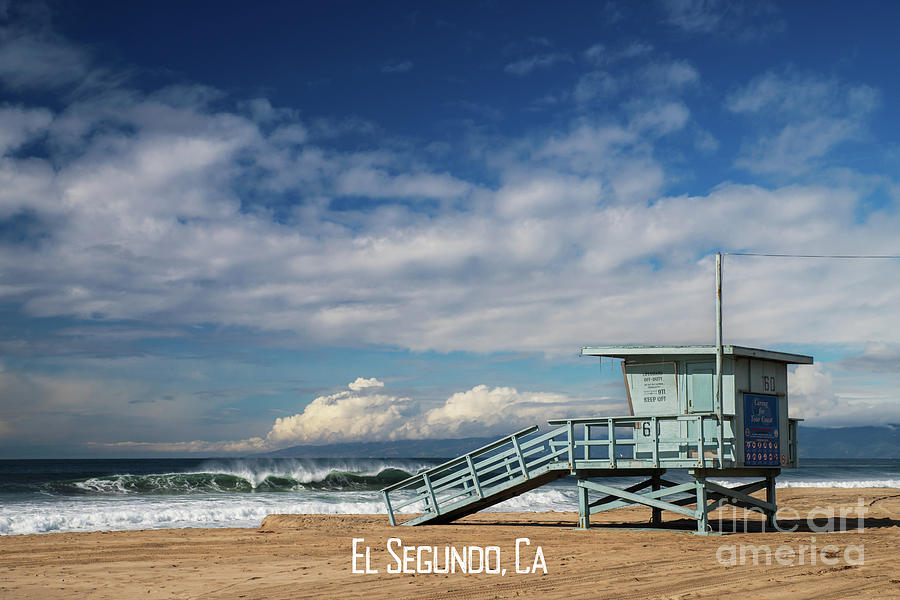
711,411
674,424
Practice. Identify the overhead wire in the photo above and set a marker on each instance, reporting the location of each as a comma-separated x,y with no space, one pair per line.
836,256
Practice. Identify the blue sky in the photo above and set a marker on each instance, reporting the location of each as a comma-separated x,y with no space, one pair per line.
228,229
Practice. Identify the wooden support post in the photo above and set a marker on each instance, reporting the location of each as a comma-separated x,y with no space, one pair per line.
390,511
474,476
656,519
702,522
770,498
584,511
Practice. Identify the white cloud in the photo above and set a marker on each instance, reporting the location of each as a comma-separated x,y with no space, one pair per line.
545,195
825,395
362,413
668,76
811,392
600,55
377,183
661,119
653,79
397,67
593,85
741,20
483,410
793,148
143,215
18,125
30,61
803,117
794,94
705,141
344,416
148,226
695,15
526,65
876,357
227,447
635,49
596,54
363,383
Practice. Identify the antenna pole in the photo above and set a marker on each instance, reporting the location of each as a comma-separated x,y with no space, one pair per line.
719,352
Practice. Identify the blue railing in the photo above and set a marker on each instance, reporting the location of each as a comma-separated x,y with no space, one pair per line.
583,444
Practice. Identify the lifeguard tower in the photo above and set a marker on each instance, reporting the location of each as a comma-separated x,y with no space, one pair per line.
709,411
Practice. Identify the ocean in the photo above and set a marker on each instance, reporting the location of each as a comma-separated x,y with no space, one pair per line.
46,496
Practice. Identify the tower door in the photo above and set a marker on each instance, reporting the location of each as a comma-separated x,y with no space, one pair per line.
700,387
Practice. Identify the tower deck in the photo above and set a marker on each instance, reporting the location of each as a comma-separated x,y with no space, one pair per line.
588,448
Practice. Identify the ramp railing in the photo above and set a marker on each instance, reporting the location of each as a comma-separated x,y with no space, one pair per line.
477,475
501,469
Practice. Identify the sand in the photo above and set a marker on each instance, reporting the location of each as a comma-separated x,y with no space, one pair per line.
310,556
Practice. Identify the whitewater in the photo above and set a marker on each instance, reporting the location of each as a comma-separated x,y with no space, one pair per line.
45,496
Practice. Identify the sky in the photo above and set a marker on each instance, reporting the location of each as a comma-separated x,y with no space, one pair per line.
228,229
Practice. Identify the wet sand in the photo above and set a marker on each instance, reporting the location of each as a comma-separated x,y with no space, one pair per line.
311,556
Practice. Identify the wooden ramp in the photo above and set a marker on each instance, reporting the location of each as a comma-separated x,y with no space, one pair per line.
506,468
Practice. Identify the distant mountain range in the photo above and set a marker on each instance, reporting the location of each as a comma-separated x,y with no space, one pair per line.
815,442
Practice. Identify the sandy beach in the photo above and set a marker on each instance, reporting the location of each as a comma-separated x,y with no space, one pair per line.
312,556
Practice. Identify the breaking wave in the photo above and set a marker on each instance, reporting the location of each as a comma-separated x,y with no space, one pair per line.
241,478
225,483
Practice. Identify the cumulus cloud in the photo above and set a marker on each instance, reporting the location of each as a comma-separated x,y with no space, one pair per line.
811,392
362,383
364,412
831,395
483,410
348,415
